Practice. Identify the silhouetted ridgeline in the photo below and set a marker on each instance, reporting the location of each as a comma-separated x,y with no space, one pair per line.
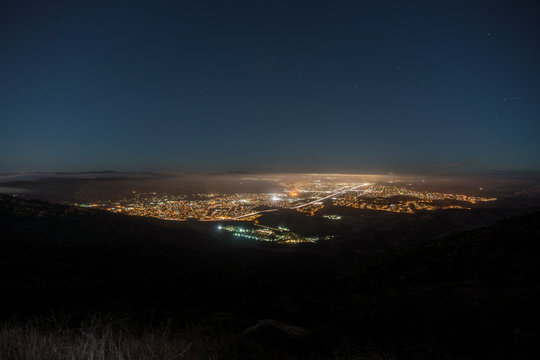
471,295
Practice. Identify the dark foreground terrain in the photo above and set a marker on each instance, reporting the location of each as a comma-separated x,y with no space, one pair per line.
81,284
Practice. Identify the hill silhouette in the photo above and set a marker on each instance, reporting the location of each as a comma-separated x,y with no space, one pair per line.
470,295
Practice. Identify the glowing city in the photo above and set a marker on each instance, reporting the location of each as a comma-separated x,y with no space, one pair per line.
309,197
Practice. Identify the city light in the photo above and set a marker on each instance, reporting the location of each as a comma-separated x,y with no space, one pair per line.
308,197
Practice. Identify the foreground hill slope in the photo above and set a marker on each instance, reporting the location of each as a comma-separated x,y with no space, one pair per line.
79,260
471,295
476,293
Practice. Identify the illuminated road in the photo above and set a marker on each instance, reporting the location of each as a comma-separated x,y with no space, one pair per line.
329,196
294,207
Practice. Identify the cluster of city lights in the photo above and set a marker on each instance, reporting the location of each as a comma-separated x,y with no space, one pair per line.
308,197
281,235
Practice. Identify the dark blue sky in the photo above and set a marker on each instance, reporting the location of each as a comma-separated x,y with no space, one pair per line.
384,86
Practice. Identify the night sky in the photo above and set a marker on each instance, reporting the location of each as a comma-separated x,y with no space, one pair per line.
366,86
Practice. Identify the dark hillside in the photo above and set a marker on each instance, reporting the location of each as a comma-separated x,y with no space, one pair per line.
471,295
476,293
79,260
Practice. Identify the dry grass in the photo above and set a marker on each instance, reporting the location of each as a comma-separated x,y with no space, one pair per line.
108,340
102,338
